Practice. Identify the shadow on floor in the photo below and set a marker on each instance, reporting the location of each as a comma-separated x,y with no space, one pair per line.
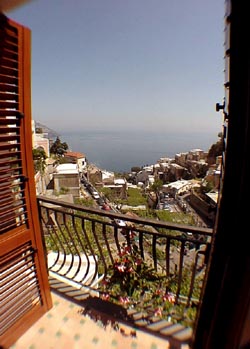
115,315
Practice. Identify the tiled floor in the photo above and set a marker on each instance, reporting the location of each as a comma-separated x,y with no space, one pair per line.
64,327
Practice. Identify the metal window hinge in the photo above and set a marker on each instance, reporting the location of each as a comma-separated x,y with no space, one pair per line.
220,106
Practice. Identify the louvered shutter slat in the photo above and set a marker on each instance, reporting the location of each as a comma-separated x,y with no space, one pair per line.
12,210
17,269
24,287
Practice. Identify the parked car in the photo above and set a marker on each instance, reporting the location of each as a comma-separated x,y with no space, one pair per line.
106,207
95,194
120,222
166,207
100,201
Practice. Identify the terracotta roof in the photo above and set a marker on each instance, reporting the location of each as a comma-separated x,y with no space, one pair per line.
75,154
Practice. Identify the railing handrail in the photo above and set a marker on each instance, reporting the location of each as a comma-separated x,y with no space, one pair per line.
152,222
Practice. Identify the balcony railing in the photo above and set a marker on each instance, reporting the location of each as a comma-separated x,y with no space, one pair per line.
152,268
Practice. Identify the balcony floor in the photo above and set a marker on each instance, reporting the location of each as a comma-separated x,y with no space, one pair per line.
64,327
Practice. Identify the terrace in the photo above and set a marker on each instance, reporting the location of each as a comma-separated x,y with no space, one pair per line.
68,321
146,277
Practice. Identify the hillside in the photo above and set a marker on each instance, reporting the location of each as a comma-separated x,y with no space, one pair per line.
51,133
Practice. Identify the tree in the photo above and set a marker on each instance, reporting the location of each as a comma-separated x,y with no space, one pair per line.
157,185
59,148
39,130
39,158
214,151
135,169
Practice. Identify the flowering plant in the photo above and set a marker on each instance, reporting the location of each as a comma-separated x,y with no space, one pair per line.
134,284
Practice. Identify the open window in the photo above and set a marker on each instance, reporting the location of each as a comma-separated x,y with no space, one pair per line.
223,319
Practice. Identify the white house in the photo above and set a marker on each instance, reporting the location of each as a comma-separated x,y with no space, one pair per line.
67,178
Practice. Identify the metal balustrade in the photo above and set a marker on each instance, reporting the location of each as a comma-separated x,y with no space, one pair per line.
89,248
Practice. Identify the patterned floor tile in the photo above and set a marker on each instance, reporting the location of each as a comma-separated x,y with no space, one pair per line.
64,327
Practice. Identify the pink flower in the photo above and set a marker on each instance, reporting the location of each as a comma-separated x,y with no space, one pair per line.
158,312
158,292
126,260
127,249
138,262
169,297
105,282
124,300
132,234
121,268
106,296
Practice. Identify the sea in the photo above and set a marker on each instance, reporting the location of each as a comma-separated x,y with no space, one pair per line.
119,151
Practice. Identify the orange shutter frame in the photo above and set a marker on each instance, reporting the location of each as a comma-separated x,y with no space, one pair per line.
24,287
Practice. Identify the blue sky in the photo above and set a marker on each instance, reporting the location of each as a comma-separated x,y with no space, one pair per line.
149,65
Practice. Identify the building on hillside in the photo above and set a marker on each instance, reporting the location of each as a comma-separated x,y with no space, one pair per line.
145,176
177,188
165,160
161,171
194,154
169,171
151,179
176,172
67,179
94,175
212,198
76,158
39,183
107,177
205,204
50,167
197,168
181,158
44,182
40,140
213,174
197,155
118,188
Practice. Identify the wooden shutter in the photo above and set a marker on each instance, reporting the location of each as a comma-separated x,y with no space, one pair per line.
24,287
